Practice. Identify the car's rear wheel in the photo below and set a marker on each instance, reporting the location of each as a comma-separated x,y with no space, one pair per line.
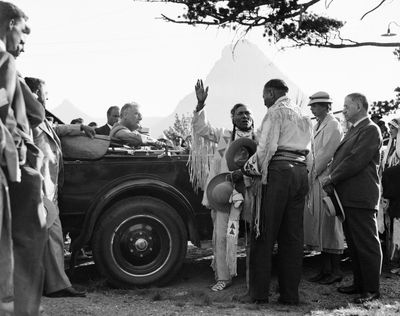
140,240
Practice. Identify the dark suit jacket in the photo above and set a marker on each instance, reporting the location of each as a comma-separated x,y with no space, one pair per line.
103,130
354,169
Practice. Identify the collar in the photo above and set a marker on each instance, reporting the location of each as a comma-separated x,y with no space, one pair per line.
283,100
240,134
110,126
359,121
2,46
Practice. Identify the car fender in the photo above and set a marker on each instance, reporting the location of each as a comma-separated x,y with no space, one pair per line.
138,185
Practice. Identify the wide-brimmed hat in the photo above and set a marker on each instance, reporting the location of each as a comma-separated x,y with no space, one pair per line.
320,97
51,211
334,206
219,190
239,151
83,147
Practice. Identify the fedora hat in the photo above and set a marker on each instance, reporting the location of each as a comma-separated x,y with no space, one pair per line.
83,147
334,206
320,97
219,190
239,151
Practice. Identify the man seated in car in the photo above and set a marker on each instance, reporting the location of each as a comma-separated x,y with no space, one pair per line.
126,131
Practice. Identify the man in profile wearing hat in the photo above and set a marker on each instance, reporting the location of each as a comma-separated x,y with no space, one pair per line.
208,142
354,175
47,138
280,160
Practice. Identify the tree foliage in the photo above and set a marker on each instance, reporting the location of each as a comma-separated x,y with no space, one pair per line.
181,128
290,20
383,108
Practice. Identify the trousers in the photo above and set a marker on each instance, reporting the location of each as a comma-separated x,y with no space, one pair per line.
361,231
55,278
281,220
29,236
219,264
6,250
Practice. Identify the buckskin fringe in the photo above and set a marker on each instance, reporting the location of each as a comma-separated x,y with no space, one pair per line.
199,162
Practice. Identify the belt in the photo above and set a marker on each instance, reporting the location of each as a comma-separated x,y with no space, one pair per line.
287,155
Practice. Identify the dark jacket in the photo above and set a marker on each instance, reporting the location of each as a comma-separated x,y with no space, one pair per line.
103,130
354,169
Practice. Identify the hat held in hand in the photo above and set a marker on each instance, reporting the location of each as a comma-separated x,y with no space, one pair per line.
239,151
334,206
219,191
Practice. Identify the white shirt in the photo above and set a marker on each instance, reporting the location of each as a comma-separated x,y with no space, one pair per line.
283,127
2,46
359,121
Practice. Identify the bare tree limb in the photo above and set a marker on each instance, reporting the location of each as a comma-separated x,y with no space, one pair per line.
356,44
372,10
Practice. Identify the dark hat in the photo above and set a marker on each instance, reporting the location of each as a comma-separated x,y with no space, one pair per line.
320,97
239,151
277,84
334,206
219,190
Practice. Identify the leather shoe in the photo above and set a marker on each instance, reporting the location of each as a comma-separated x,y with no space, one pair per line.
367,297
247,299
287,302
351,289
330,279
67,292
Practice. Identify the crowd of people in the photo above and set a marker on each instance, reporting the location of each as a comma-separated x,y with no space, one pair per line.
31,236
313,185
292,182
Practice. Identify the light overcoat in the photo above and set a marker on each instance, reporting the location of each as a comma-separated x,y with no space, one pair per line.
322,232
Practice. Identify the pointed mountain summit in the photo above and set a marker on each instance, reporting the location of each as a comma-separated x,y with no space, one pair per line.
67,111
237,77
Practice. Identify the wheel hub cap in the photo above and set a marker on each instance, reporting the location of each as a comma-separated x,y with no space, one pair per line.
141,244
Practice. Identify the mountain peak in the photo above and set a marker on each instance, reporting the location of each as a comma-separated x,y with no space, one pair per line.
237,77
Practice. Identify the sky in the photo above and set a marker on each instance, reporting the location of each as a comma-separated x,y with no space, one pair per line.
99,53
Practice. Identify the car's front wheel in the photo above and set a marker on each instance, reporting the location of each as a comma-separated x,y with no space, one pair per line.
140,240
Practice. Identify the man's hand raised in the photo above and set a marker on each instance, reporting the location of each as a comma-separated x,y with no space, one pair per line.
201,95
89,131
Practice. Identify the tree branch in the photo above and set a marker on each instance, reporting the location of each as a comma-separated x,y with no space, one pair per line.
372,10
355,44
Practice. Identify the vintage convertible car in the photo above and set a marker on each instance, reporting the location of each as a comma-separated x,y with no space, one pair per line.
135,208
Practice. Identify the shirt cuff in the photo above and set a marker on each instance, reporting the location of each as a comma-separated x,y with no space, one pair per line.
251,166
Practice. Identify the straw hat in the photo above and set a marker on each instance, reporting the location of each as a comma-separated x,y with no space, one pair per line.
320,97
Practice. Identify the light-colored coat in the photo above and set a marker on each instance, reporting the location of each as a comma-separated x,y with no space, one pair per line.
323,232
47,139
